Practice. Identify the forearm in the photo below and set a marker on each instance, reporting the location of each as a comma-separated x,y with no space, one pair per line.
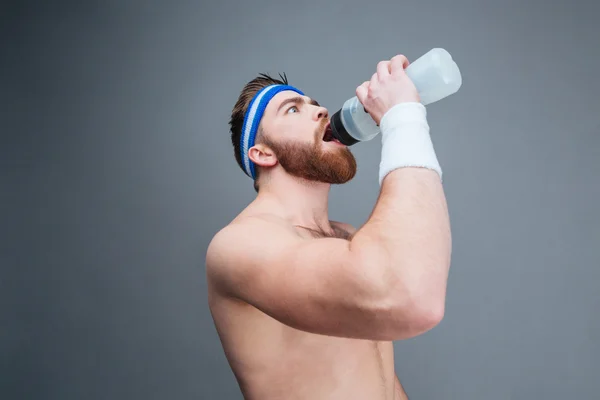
408,231
411,227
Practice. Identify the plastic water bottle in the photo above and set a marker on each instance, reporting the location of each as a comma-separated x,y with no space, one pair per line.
434,74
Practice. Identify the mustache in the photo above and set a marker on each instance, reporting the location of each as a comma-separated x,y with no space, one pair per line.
320,131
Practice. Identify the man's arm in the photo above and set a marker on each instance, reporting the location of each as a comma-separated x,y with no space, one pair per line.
409,232
409,228
318,285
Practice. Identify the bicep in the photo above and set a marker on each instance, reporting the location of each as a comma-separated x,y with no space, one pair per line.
315,285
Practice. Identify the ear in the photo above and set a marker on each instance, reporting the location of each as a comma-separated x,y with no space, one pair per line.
262,155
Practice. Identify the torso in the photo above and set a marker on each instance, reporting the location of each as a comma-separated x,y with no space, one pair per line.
271,360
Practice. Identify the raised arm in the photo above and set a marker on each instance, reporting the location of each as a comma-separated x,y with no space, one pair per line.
320,285
409,225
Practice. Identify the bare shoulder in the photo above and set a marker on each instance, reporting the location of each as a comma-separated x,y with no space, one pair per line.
242,232
241,245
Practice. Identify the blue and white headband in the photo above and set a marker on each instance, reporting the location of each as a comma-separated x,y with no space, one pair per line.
254,114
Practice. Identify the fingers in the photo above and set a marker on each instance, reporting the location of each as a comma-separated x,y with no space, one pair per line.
362,91
383,69
398,63
386,68
374,79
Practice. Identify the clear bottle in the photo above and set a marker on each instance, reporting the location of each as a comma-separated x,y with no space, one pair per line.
434,74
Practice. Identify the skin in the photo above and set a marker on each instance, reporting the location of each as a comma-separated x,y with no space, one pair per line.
307,307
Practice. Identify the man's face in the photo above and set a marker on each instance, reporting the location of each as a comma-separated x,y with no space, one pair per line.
294,128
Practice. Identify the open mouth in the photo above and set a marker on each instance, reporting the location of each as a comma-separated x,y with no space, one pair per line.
328,135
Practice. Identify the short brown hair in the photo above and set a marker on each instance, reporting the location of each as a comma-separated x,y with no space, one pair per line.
239,111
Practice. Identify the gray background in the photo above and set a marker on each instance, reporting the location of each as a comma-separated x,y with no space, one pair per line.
117,169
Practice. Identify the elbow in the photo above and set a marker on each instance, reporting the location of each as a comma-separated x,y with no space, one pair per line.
424,315
429,314
413,313
401,308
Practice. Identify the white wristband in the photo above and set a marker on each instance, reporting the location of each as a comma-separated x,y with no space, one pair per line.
405,140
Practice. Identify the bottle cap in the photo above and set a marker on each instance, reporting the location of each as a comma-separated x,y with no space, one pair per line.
339,131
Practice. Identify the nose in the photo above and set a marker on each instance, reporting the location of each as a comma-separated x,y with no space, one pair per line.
321,112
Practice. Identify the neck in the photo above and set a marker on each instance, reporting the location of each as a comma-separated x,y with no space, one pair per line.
304,203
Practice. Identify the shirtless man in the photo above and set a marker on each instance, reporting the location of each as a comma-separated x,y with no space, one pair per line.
306,307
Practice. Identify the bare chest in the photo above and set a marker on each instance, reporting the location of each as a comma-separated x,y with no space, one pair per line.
340,358
266,355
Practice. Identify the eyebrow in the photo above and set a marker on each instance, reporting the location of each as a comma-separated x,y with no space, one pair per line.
297,99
